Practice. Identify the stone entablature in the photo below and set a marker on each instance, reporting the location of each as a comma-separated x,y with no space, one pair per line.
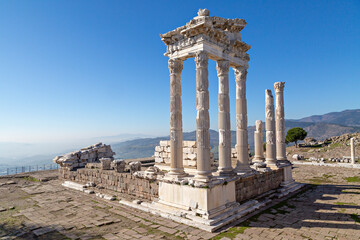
220,37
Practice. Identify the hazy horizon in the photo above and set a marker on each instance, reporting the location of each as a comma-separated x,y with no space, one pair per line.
74,71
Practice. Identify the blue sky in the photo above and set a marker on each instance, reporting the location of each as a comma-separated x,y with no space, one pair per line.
79,69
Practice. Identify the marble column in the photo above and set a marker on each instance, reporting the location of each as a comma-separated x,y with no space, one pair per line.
258,142
280,121
352,146
202,119
225,167
243,164
270,129
176,134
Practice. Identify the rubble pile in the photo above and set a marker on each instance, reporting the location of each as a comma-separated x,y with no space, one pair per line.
90,154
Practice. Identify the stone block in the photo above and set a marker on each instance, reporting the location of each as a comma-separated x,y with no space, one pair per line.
164,143
105,163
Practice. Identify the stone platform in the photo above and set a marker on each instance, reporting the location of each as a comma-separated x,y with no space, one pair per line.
324,211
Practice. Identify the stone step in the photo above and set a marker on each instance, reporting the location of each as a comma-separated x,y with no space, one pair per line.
74,185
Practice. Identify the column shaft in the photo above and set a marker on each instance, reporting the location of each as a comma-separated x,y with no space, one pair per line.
242,146
176,134
225,168
270,129
352,146
202,119
258,142
280,121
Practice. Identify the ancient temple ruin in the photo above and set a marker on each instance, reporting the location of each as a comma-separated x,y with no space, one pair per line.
211,196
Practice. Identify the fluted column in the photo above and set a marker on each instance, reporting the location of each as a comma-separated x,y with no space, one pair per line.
270,129
352,146
225,167
242,149
258,142
280,121
202,119
176,134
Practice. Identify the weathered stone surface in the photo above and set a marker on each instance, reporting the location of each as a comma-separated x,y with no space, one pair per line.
118,165
258,140
162,155
112,180
249,187
280,121
134,167
270,129
242,146
225,167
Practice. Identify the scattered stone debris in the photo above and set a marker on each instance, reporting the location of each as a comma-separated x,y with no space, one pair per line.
90,154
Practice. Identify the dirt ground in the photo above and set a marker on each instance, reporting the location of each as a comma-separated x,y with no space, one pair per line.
33,209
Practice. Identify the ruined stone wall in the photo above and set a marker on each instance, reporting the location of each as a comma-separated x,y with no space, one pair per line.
246,188
252,186
162,154
86,155
112,180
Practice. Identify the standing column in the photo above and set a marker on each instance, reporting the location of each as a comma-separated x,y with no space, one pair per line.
270,129
258,140
176,134
243,164
352,146
225,167
280,121
202,119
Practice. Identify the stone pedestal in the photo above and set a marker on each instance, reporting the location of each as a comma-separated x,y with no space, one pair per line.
176,139
352,146
270,130
258,140
242,146
280,121
205,202
225,167
203,172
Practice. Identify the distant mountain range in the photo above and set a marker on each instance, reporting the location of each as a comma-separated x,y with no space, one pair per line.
317,126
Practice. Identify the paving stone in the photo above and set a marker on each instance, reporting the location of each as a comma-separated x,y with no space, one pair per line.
42,231
167,230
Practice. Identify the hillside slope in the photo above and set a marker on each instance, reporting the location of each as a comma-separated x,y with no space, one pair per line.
338,147
319,127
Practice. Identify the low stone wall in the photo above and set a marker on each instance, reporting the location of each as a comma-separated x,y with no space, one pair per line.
252,186
246,188
112,180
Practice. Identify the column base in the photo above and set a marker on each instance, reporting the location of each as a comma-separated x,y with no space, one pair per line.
203,176
272,164
258,159
226,172
177,173
282,158
243,169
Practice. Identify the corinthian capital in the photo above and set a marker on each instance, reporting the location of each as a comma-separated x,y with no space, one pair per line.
175,66
279,86
240,73
222,67
201,59
259,125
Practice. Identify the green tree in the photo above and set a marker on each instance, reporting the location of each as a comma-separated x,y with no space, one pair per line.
295,134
